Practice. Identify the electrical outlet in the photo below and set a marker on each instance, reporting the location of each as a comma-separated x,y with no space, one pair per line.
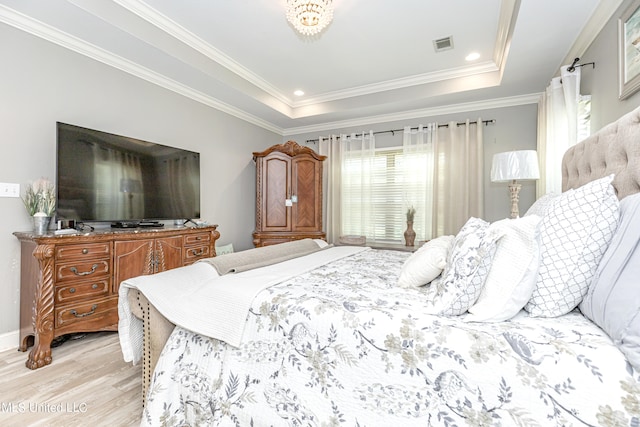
9,190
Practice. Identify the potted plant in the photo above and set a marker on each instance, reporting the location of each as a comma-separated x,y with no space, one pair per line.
411,212
40,201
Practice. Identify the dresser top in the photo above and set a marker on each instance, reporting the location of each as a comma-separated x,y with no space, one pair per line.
113,233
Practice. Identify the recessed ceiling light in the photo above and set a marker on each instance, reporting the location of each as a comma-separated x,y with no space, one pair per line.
472,56
298,92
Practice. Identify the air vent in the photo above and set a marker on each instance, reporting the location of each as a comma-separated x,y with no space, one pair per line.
445,43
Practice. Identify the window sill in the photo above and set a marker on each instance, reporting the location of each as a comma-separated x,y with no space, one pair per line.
393,246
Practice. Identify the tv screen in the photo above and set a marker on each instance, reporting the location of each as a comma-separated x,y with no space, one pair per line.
102,177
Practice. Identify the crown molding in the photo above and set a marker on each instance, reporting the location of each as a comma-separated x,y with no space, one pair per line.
506,24
599,18
68,41
401,83
53,35
511,101
155,18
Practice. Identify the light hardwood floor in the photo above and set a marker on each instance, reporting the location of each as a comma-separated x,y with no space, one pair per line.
87,384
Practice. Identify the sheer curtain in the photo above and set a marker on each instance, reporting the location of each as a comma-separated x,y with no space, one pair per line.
458,191
417,167
180,181
118,177
439,171
557,127
356,198
332,183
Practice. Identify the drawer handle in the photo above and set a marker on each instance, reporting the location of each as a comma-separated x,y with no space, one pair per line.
72,290
88,313
75,270
198,237
94,286
197,253
85,251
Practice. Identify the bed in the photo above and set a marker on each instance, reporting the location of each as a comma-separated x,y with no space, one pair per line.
533,321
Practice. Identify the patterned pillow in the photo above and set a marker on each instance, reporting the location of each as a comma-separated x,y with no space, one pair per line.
426,263
574,235
467,267
513,273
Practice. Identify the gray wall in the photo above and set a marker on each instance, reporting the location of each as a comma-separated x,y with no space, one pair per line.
601,82
515,129
41,83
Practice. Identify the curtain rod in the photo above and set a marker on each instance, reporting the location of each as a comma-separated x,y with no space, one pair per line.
393,131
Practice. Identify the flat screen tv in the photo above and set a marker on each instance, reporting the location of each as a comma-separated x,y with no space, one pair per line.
102,177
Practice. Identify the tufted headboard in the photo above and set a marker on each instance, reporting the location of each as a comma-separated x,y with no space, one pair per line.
614,149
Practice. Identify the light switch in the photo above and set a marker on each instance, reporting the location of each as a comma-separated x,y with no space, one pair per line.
9,190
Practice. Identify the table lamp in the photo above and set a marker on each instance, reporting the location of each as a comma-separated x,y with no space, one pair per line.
512,166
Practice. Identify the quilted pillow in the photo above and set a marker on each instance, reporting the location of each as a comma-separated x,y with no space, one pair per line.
426,263
467,267
543,204
574,234
513,272
613,300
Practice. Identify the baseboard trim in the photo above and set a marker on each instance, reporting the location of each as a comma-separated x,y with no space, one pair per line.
9,340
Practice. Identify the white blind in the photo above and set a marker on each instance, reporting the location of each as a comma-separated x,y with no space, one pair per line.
391,193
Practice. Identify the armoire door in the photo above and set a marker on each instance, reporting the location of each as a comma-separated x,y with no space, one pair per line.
306,174
276,190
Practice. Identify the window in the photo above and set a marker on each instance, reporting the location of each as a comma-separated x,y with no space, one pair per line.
377,191
584,117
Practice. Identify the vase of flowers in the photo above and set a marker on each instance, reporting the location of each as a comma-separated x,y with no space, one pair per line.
40,201
410,234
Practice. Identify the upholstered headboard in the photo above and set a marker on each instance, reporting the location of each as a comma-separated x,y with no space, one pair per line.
614,149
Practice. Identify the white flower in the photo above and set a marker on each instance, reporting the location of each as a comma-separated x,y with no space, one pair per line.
40,198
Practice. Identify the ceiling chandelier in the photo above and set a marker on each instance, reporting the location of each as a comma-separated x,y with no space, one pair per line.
309,17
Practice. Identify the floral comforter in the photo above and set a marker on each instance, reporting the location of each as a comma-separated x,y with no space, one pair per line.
343,345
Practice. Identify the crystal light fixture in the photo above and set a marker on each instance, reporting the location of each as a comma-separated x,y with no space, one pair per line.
309,17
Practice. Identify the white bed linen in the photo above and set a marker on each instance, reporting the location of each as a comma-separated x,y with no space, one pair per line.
212,305
130,327
344,345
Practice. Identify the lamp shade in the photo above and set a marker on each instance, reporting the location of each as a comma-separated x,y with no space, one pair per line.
515,165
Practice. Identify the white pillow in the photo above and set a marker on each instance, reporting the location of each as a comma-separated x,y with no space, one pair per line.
543,204
613,299
513,272
574,235
426,263
467,267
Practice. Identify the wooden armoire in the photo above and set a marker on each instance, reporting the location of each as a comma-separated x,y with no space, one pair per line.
288,194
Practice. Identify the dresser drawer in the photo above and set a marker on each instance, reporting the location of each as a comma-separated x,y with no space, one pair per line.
100,311
195,253
83,290
197,239
89,250
80,269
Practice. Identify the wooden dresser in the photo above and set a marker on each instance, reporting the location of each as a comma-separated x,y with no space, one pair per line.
288,194
69,283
